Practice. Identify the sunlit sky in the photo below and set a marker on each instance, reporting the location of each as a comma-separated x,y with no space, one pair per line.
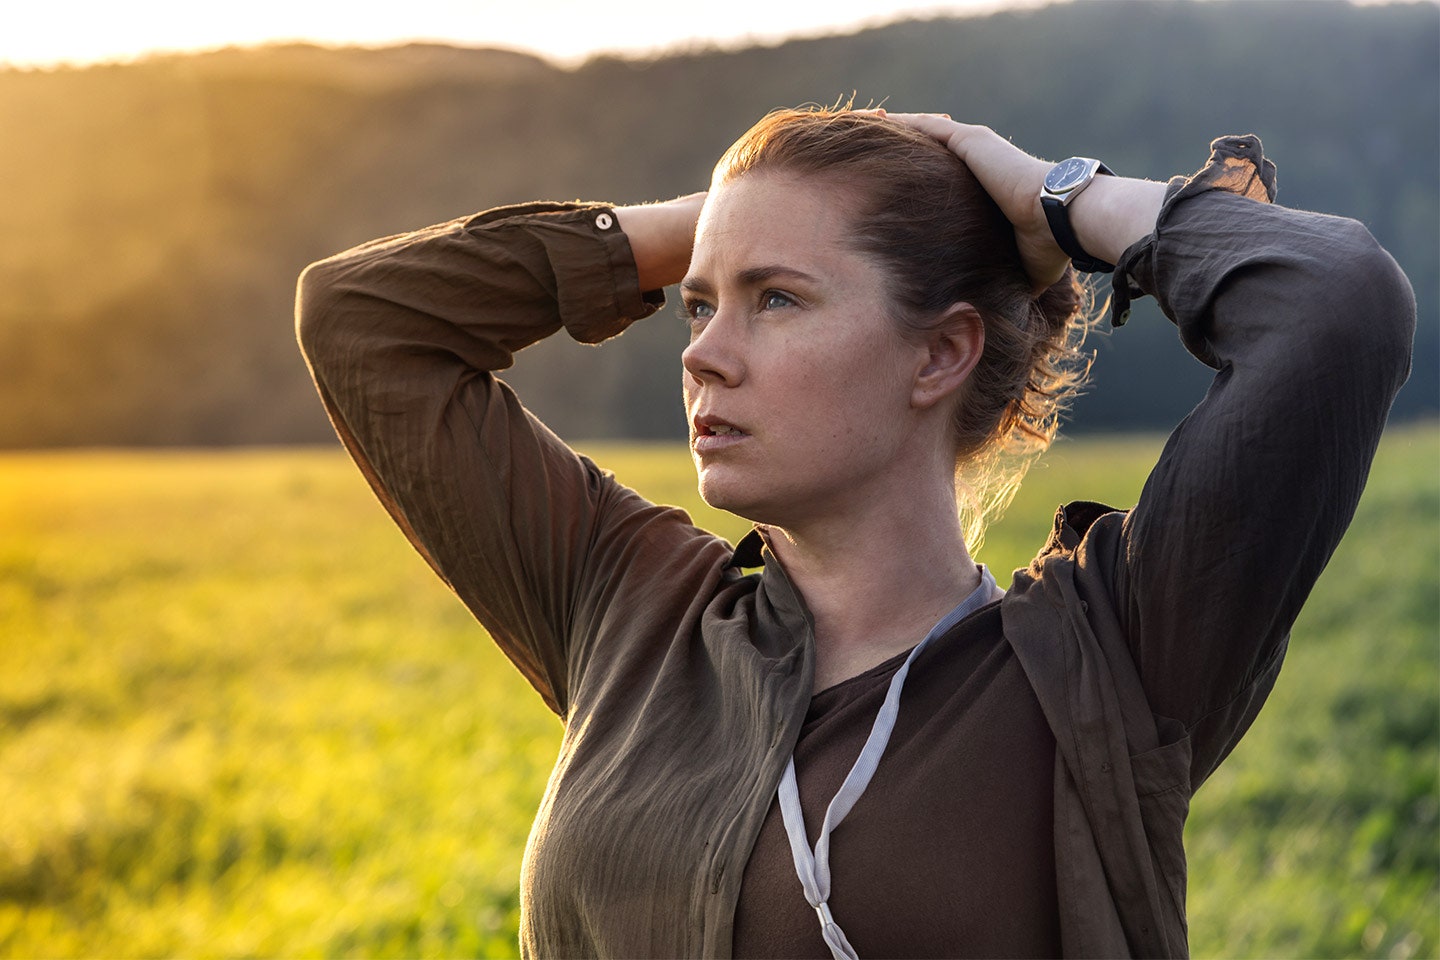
48,32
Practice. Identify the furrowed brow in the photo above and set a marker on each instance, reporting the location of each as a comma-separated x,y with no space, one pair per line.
756,276
749,277
697,285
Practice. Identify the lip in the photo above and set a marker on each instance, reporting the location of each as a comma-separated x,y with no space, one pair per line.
705,441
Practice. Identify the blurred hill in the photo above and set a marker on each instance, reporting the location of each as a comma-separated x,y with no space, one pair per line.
154,216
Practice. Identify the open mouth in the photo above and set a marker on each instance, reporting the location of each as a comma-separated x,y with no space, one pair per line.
712,433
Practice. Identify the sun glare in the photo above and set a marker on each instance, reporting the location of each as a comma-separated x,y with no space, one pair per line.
88,31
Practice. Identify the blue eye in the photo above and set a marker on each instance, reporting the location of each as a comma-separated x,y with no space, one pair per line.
774,299
698,311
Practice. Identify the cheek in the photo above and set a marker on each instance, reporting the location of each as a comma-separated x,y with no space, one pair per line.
846,397
868,371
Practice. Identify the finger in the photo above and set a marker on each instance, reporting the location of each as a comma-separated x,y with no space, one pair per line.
937,126
930,123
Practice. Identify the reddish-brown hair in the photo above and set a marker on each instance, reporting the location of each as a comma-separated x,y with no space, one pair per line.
920,213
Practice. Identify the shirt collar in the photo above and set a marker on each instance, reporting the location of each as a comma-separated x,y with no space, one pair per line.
749,552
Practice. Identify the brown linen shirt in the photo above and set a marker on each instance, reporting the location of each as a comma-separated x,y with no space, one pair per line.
1150,637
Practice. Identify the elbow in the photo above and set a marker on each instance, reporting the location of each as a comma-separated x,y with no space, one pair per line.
315,300
1397,316
1356,308
1376,304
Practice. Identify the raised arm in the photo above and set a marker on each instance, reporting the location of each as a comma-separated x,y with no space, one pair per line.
1308,323
401,335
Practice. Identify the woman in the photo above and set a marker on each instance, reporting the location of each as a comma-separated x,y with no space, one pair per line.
865,313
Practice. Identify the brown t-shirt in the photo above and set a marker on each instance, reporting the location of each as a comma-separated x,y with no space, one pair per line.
950,850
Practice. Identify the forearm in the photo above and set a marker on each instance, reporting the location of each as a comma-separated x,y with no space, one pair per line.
1113,213
662,237
475,289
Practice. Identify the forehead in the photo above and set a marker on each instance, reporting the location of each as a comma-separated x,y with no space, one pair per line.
773,217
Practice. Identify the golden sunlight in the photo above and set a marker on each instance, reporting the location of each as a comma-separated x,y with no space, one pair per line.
87,31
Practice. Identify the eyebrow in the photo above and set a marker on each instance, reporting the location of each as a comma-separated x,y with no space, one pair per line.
749,277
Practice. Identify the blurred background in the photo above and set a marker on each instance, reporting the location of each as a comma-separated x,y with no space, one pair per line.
156,213
238,715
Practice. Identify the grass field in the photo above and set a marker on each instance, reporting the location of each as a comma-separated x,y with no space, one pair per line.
239,716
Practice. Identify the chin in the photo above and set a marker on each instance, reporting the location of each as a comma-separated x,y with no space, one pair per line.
743,497
717,495
728,493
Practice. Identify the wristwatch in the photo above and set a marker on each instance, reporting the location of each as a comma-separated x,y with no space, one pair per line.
1064,183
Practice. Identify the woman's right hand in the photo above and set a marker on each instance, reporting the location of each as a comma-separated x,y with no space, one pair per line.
662,237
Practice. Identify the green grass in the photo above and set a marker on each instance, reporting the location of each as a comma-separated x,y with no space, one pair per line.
239,716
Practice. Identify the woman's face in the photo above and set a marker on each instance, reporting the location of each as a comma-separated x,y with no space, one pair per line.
797,384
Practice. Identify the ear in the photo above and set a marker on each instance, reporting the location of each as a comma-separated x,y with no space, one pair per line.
953,348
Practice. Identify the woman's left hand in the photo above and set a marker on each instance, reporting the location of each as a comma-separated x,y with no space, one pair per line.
1108,217
1013,179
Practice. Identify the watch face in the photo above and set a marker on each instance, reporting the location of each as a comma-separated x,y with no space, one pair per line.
1066,174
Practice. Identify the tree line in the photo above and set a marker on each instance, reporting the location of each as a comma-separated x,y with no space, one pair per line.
154,215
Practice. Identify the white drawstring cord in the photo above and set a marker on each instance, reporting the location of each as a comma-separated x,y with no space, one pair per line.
813,866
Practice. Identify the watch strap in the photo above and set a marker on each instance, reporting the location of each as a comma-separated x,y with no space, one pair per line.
1057,210
1058,215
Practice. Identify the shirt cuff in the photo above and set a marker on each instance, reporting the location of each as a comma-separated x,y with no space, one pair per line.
1237,165
597,287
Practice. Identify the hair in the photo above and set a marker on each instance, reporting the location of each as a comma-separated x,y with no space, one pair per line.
924,218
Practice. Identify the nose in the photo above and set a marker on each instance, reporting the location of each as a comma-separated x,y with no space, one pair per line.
715,356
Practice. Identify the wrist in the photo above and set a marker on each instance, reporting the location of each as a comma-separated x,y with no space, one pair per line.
1064,183
1114,213
662,236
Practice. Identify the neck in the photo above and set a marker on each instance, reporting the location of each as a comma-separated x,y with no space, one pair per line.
876,580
